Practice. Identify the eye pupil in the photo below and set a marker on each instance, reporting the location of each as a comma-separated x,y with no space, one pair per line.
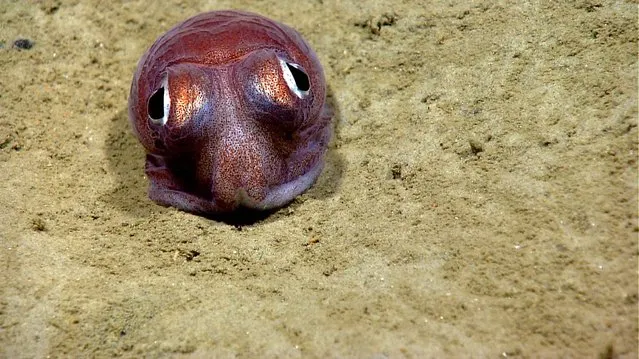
156,105
300,77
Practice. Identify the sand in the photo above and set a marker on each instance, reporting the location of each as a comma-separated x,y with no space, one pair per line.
479,197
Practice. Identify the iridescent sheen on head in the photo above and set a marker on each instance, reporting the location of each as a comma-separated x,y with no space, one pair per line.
230,107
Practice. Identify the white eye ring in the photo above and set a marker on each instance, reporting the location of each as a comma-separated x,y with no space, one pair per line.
153,106
297,79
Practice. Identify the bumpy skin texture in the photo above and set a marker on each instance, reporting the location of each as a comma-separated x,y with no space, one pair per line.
230,107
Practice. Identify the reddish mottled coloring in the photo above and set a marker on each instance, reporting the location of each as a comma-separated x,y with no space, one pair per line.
230,107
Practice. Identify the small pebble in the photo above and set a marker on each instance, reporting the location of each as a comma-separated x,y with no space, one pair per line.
475,146
23,44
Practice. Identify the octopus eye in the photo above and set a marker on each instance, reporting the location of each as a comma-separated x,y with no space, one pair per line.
159,104
296,78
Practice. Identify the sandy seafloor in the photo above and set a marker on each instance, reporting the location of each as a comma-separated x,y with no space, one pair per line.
413,243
